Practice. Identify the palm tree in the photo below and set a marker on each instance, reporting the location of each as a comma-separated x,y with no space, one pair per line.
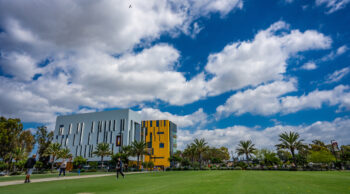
64,154
190,152
245,148
291,142
53,150
18,154
139,149
102,150
201,146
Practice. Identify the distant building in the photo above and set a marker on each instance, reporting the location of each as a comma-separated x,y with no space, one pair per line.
82,132
160,136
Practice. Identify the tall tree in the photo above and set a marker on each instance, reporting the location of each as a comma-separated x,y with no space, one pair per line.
44,139
26,141
10,129
201,146
18,154
64,154
53,150
290,141
139,149
190,152
246,148
102,150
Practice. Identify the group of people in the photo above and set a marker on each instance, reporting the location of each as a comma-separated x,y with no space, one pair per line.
29,165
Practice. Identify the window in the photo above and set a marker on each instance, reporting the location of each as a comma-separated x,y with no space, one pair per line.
122,124
66,141
157,124
73,139
114,125
70,129
92,126
161,145
61,129
160,132
78,126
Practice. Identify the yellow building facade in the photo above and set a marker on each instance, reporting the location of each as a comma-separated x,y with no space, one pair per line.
160,136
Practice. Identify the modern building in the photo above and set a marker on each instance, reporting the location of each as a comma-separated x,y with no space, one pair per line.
160,136
82,132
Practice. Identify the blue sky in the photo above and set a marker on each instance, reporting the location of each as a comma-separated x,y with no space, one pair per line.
224,70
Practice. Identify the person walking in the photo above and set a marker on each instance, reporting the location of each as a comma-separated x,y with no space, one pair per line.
63,167
29,165
79,169
119,168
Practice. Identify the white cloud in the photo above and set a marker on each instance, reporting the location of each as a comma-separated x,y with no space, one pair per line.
263,100
333,5
326,131
21,66
332,55
340,95
338,75
204,7
261,60
270,99
197,118
309,66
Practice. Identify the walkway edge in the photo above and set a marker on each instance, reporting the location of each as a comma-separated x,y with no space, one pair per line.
17,182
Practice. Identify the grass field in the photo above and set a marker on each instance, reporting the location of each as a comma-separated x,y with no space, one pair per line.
198,182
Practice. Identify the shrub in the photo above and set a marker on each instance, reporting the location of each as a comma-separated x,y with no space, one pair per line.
93,164
238,168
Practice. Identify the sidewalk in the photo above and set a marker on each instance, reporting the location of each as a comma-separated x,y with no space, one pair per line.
17,182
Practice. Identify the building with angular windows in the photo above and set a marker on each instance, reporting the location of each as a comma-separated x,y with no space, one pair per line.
82,132
160,136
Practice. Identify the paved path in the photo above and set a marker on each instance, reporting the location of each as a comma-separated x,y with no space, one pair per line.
6,183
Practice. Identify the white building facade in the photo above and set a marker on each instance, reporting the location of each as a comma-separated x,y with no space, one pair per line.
81,133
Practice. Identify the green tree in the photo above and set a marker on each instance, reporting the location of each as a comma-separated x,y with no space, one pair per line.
10,130
79,160
139,149
201,146
18,155
43,138
321,156
290,141
102,150
190,152
26,141
53,150
284,155
64,154
245,148
345,153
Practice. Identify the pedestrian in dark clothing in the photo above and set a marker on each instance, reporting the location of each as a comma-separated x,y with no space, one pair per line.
119,168
29,165
63,167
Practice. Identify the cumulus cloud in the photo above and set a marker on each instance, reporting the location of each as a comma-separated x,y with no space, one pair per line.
332,5
338,75
93,64
309,66
326,131
197,118
340,95
263,100
270,99
260,60
20,65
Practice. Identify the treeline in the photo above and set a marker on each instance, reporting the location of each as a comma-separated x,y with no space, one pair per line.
291,153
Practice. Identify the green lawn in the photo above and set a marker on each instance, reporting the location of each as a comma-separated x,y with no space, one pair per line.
198,182
37,176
